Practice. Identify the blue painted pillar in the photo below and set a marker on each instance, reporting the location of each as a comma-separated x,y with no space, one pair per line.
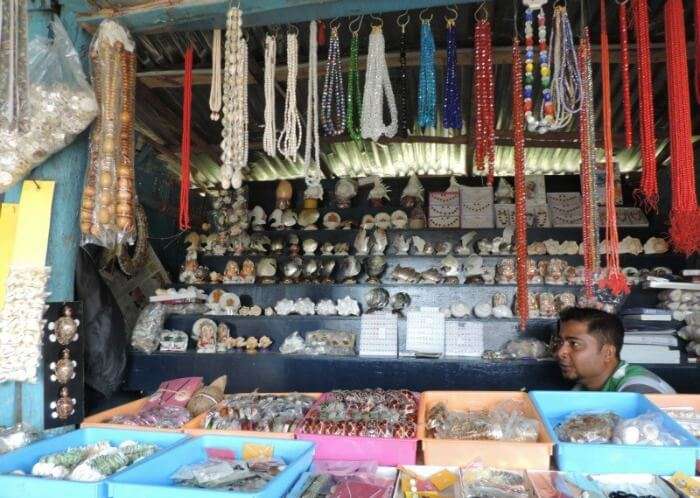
67,169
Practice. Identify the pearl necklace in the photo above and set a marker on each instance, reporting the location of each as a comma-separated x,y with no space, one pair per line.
289,140
234,143
377,86
333,125
215,93
312,174
270,134
566,77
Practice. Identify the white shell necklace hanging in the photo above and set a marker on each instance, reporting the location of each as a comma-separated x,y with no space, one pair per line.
377,85
289,140
270,133
312,173
235,104
215,93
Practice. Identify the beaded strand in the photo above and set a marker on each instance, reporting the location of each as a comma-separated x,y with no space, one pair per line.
451,105
333,97
354,106
426,77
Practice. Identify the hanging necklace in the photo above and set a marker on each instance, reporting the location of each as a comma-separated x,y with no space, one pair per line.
270,133
625,70
566,77
353,113
533,124
426,76
333,98
403,82
289,140
234,143
485,140
312,170
377,87
215,93
451,107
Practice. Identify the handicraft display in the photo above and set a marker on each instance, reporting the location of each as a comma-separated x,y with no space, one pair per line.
259,412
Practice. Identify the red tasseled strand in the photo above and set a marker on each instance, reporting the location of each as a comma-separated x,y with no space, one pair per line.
484,127
685,215
614,280
625,68
321,34
697,51
184,221
648,193
520,189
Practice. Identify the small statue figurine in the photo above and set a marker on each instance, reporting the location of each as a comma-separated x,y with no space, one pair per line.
231,273
206,343
533,272
251,344
65,329
546,305
223,336
412,195
248,271
345,190
283,195
64,406
505,271
555,272
63,369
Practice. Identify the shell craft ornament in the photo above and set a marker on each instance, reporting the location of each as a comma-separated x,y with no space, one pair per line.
413,193
64,369
207,397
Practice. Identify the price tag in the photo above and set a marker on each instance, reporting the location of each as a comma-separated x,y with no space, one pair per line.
464,338
425,331
379,335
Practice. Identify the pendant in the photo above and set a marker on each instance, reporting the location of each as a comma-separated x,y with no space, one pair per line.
65,329
64,369
64,406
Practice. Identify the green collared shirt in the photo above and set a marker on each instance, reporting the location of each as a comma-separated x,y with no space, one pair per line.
633,379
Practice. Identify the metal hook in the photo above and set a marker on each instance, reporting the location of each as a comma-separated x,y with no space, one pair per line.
451,20
403,25
291,27
335,23
484,11
357,20
425,19
618,2
376,18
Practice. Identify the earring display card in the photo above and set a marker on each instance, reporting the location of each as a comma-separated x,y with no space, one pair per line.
476,207
626,217
565,209
425,331
379,335
464,338
535,189
63,360
600,184
537,215
443,209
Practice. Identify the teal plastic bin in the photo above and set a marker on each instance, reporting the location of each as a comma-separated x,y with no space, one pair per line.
554,407
152,479
13,486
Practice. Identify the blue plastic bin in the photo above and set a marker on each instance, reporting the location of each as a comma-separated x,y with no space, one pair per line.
152,479
12,486
299,485
554,407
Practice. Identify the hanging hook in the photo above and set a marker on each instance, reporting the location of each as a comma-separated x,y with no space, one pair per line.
357,20
618,2
292,29
484,12
403,24
451,20
422,16
335,23
378,19
515,20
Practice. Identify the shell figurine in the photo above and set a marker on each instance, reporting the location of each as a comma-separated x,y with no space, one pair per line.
65,329
401,245
64,406
380,241
405,274
63,369
362,242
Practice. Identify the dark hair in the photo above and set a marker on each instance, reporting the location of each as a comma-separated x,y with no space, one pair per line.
606,327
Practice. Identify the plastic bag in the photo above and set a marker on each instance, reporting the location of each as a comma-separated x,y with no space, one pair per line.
259,412
518,349
146,334
646,430
14,85
479,481
61,105
109,194
588,427
17,436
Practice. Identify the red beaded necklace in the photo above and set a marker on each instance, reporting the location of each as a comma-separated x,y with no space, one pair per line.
625,69
484,127
184,221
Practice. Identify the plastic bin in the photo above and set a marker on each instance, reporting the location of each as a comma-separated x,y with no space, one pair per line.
555,406
298,489
385,451
500,454
678,400
13,486
195,427
152,479
101,419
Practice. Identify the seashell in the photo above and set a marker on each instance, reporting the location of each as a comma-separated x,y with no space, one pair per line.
275,218
399,219
310,269
502,311
289,218
553,247
309,246
267,267
308,217
401,244
484,246
207,397
342,248
445,311
292,268
569,247
465,244
331,220
443,248
450,266
230,303
379,241
482,310
504,194
367,222
258,216
264,342
351,268
284,307
631,245
400,301
418,244
345,190
405,274
459,310
655,245
375,266
412,194
348,307
304,306
214,298
377,299
327,249
432,276
474,265
326,307
499,299
269,311
292,344
199,324
255,310
489,275
259,243
383,221
327,268
362,242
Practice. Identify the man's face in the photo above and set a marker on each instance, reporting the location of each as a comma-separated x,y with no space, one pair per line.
579,354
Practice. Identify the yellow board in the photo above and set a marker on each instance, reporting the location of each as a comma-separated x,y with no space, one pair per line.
33,223
8,223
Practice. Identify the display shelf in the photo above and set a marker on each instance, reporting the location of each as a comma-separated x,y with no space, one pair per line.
275,372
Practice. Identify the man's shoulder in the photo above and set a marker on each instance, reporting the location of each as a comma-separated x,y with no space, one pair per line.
639,379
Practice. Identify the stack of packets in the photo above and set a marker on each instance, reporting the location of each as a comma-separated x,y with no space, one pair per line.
346,479
225,471
428,481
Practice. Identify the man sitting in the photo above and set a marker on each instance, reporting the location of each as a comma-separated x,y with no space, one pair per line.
588,351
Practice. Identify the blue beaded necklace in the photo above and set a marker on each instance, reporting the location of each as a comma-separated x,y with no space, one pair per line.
426,81
451,106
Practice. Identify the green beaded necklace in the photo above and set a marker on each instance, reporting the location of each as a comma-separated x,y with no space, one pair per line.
354,97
